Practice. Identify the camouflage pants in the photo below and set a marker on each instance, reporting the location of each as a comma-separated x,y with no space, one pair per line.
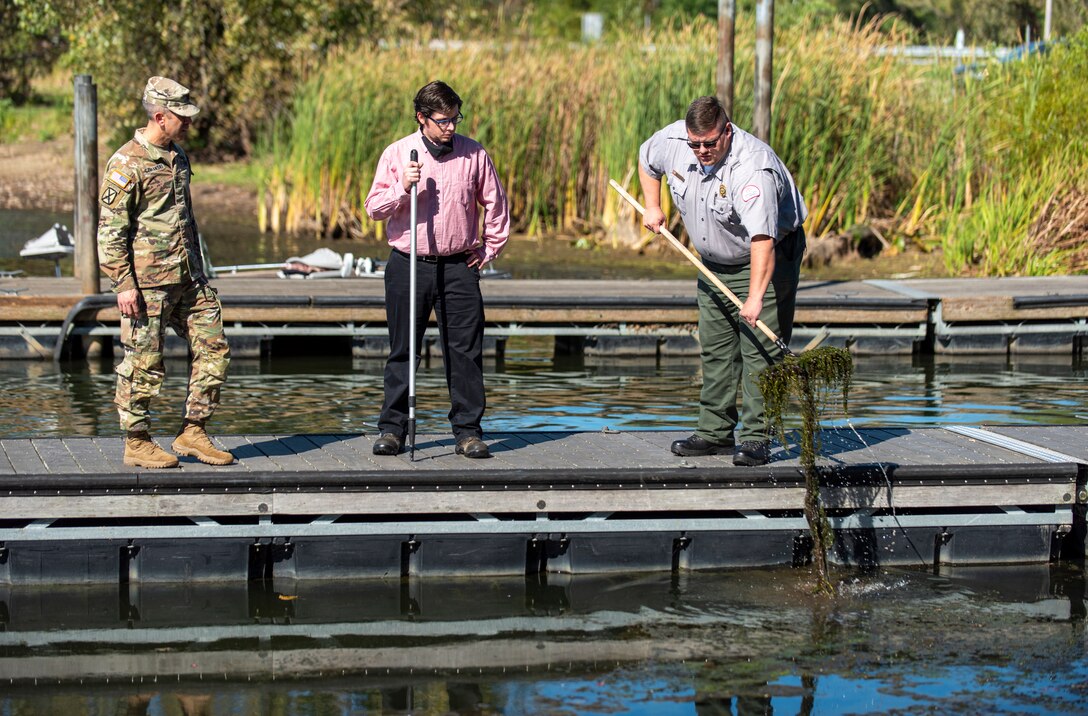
194,312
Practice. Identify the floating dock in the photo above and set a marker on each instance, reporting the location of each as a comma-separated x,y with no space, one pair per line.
304,507
611,318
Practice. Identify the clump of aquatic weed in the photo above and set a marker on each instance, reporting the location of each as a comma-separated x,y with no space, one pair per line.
814,378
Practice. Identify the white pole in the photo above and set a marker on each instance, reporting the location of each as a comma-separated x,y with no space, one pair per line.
412,324
1047,20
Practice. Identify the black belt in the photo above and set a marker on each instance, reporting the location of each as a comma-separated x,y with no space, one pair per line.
785,246
434,258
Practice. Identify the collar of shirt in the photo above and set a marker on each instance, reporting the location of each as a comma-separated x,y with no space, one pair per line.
436,150
153,150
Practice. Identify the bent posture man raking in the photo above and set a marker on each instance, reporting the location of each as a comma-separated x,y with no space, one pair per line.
744,214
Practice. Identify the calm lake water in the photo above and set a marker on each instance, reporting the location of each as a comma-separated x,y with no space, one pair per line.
1009,640
530,391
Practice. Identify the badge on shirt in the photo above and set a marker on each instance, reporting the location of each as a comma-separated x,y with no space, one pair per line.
122,180
721,191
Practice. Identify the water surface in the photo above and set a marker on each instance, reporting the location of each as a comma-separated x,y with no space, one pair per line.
1008,640
532,391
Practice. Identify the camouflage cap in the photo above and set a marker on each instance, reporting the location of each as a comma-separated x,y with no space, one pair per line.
165,92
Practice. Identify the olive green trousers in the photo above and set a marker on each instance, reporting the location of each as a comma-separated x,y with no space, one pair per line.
734,353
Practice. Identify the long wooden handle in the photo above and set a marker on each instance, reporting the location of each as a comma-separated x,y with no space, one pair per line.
710,275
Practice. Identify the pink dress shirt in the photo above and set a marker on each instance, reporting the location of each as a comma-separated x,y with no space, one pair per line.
450,191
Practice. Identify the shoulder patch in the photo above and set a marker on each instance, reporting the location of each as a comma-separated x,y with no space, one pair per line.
122,180
750,192
111,196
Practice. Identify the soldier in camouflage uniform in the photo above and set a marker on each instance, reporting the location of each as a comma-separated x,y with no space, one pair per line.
148,246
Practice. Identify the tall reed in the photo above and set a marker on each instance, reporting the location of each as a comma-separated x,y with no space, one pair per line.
867,137
560,119
1009,139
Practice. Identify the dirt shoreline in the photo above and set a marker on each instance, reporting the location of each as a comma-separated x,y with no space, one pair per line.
41,175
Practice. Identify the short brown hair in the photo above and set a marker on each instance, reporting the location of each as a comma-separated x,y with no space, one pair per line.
437,96
705,115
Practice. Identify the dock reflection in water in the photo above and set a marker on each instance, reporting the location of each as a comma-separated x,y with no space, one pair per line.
531,391
966,640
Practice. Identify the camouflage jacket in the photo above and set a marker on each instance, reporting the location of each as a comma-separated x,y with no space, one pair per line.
147,235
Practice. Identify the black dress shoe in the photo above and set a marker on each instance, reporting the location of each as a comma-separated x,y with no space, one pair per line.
752,453
388,444
472,447
695,445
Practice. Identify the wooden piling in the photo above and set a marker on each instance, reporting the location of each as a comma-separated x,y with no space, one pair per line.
761,121
86,163
727,17
86,180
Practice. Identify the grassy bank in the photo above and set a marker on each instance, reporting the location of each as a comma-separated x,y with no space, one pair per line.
967,165
46,116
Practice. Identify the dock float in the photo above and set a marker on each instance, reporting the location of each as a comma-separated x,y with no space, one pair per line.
304,507
590,317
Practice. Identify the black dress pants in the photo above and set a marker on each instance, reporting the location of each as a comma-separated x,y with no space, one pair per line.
452,288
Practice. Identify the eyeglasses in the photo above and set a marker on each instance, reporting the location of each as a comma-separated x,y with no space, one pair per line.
444,122
712,143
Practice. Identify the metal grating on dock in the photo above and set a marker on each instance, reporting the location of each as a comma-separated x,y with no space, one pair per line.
323,506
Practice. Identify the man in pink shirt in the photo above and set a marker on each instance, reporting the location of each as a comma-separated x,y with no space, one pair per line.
456,180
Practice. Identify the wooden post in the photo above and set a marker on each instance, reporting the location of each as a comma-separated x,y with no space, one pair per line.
727,20
761,121
86,214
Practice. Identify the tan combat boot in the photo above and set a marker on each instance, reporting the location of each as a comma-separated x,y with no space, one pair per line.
194,442
141,451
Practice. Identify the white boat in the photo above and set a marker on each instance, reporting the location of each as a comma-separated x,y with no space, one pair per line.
55,244
326,263
322,263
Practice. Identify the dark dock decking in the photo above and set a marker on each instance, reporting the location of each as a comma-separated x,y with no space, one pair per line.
955,316
322,506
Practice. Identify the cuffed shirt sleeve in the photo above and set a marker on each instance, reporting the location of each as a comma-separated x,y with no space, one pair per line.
652,155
